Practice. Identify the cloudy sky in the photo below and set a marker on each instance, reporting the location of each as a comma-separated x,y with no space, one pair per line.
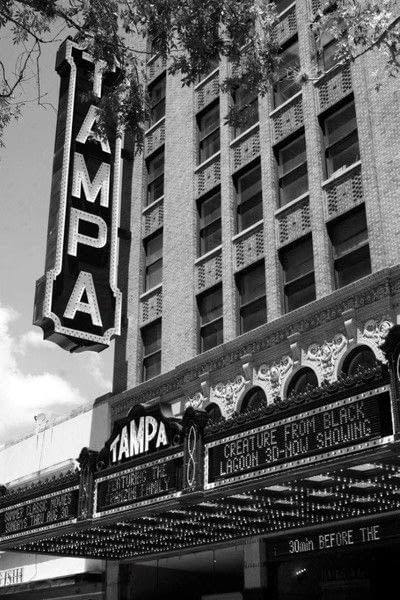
35,376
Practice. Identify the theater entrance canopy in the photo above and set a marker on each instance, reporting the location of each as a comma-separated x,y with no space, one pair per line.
322,468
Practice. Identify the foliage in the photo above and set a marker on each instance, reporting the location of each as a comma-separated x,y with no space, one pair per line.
192,34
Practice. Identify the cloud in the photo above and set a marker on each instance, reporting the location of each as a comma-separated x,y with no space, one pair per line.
31,339
94,366
24,395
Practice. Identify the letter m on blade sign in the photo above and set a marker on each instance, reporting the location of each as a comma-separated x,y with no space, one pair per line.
77,302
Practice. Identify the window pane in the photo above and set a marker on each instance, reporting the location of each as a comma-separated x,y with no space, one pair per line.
297,260
210,237
154,274
349,232
155,166
157,91
209,146
210,305
250,212
300,293
211,335
340,124
343,154
155,189
253,315
302,382
353,266
249,184
251,284
210,209
246,102
284,90
293,185
359,360
329,55
214,63
248,117
151,336
282,4
209,121
292,155
151,366
157,112
287,86
157,100
153,248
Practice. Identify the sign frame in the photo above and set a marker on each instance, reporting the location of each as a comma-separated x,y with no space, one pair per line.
44,528
141,503
306,460
70,338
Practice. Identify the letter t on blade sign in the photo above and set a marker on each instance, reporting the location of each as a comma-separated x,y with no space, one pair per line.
77,302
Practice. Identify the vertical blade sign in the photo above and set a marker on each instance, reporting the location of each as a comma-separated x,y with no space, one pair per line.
77,302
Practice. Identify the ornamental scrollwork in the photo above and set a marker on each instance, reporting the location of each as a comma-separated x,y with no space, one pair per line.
228,393
196,401
274,375
326,355
376,331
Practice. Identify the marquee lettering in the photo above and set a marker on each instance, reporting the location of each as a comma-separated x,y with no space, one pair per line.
135,439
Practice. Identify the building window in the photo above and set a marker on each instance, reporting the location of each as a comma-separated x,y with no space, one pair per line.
214,413
208,124
359,360
349,237
154,45
153,252
155,177
246,109
209,209
341,138
151,337
251,288
303,381
329,48
210,311
253,400
156,93
292,170
213,64
249,198
282,5
298,273
287,84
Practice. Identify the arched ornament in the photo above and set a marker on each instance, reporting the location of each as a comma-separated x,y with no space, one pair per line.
374,334
197,401
275,376
325,357
227,395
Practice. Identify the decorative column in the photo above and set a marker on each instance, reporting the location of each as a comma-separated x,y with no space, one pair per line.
193,422
391,350
112,581
87,461
255,570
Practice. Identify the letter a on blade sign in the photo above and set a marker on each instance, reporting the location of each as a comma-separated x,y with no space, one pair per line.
77,302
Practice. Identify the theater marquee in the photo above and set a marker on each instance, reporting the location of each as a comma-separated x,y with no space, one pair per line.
77,301
357,423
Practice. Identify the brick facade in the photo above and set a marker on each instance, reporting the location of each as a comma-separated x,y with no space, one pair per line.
373,180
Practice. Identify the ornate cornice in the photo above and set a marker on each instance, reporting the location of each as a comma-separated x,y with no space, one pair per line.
366,379
34,487
377,287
